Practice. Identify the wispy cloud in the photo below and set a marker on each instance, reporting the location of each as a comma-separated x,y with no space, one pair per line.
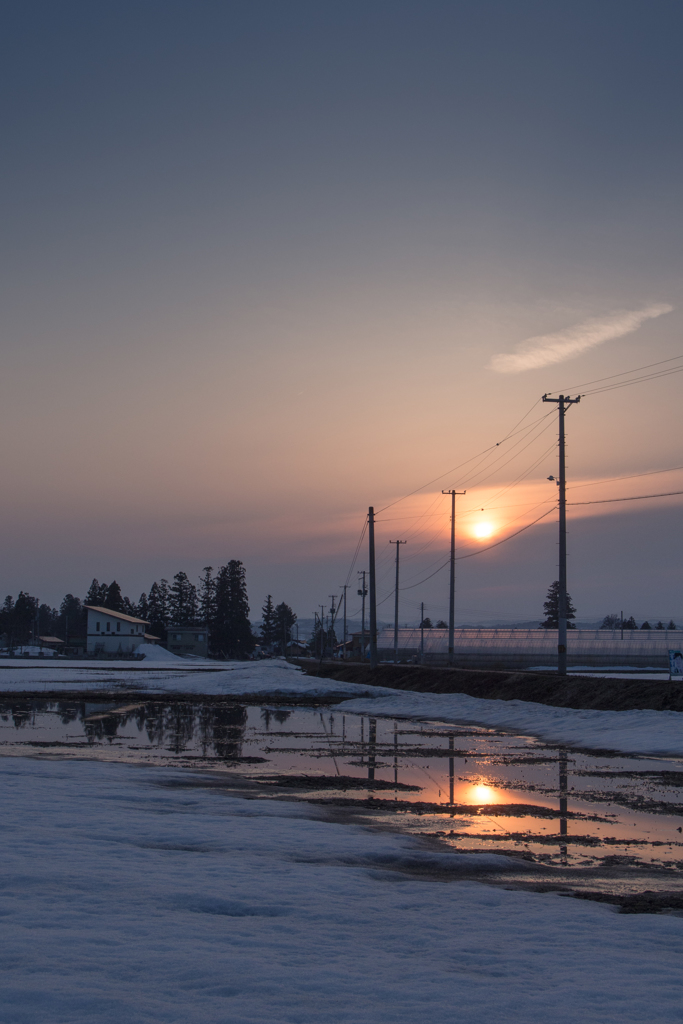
572,341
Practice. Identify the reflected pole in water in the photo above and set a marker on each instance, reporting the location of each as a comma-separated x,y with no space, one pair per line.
451,772
563,803
372,740
395,754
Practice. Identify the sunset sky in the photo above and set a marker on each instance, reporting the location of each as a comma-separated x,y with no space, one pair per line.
265,264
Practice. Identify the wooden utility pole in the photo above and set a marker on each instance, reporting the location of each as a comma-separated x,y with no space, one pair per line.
451,592
398,548
373,588
362,593
563,403
333,617
344,587
422,632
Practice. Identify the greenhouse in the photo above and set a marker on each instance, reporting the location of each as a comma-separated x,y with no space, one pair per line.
533,648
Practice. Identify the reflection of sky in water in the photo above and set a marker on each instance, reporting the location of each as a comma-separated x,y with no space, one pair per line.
475,787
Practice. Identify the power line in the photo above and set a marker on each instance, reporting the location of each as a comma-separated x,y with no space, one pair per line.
624,373
355,554
481,551
636,380
632,476
466,463
633,497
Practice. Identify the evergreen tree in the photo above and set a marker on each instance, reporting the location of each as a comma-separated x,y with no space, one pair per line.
672,624
97,594
114,598
426,623
24,617
231,635
207,595
660,625
182,600
47,620
441,624
157,610
268,627
7,621
611,622
72,618
284,620
165,598
551,608
646,625
630,623
143,607
130,608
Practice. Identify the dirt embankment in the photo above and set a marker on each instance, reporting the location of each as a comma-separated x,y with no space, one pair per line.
541,687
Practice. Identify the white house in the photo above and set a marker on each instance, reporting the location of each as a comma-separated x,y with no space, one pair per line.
115,633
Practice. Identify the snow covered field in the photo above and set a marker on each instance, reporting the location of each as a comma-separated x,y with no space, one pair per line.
174,675
127,897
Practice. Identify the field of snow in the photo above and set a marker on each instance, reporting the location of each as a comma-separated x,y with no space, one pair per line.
274,677
128,896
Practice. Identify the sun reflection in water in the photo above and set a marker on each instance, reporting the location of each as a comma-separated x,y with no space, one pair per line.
484,794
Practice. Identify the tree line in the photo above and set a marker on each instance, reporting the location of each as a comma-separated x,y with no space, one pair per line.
219,603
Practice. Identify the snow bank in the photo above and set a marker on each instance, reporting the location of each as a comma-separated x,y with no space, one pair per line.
633,732
128,899
151,652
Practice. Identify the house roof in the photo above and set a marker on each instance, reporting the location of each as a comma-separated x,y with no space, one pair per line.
50,640
115,615
150,636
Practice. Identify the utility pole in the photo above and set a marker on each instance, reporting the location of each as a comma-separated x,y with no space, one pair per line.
362,593
422,632
344,587
398,548
451,592
563,403
373,588
333,616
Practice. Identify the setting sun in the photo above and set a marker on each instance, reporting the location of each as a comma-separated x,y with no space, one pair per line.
483,530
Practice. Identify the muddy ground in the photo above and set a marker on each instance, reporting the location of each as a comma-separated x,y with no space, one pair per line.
541,687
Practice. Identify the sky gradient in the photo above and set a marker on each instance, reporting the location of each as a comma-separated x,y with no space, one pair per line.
259,261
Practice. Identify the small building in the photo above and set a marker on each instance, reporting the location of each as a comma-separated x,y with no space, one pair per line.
188,640
113,632
297,649
53,643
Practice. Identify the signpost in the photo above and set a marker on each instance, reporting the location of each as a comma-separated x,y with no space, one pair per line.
675,665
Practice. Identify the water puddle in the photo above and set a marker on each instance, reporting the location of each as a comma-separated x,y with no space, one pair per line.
605,821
